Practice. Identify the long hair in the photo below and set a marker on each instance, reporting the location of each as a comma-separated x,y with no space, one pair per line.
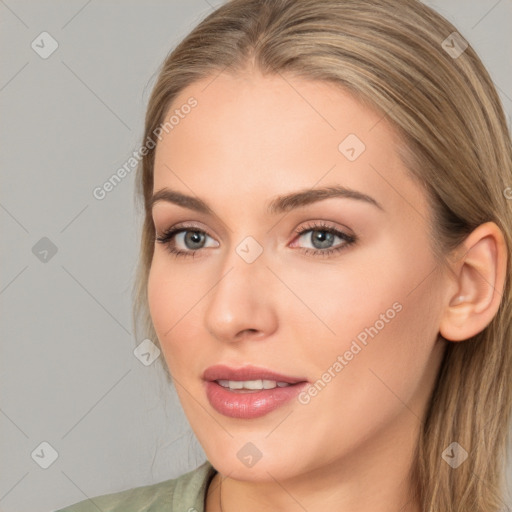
403,59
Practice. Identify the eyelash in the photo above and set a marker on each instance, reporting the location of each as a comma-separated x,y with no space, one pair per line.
168,235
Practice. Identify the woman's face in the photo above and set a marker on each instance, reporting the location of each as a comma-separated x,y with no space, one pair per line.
340,292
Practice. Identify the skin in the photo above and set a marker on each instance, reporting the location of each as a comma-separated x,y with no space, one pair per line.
352,446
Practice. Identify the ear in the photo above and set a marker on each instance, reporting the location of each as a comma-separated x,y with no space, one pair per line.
476,291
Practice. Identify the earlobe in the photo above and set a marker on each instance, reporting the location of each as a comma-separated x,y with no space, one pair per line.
480,277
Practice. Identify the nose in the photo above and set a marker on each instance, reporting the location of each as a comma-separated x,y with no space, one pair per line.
241,305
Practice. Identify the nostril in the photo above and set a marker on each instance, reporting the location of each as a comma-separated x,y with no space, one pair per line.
245,332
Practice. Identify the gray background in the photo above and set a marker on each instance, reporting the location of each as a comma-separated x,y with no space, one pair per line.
68,373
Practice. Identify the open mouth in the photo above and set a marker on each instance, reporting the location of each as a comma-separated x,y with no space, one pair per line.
249,392
248,386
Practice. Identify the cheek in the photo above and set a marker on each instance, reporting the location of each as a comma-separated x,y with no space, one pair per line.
386,320
160,294
381,304
391,372
351,295
171,299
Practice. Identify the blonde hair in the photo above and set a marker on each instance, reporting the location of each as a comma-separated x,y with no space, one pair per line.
390,55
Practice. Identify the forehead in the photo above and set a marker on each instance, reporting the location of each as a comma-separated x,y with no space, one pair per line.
271,111
269,134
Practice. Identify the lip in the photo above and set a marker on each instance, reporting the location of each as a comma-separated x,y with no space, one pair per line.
249,372
248,404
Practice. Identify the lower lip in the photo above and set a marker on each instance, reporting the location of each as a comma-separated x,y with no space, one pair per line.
249,404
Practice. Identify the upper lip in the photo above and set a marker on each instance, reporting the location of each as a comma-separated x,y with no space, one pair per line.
223,372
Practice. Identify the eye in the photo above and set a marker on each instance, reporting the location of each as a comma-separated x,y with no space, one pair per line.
184,240
322,237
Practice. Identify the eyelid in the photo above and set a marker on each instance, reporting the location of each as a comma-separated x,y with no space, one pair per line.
314,224
345,234
320,224
186,225
168,238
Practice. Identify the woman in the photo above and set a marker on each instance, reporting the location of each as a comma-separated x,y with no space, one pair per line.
325,261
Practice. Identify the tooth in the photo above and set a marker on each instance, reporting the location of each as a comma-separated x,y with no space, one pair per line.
252,384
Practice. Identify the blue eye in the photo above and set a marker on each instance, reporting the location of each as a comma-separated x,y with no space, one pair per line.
189,236
322,237
193,239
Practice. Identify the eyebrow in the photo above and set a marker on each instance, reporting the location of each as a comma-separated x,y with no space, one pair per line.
279,204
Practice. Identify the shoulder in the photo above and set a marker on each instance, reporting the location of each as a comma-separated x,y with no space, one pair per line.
178,494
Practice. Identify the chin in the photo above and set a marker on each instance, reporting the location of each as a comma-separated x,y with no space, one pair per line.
265,469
